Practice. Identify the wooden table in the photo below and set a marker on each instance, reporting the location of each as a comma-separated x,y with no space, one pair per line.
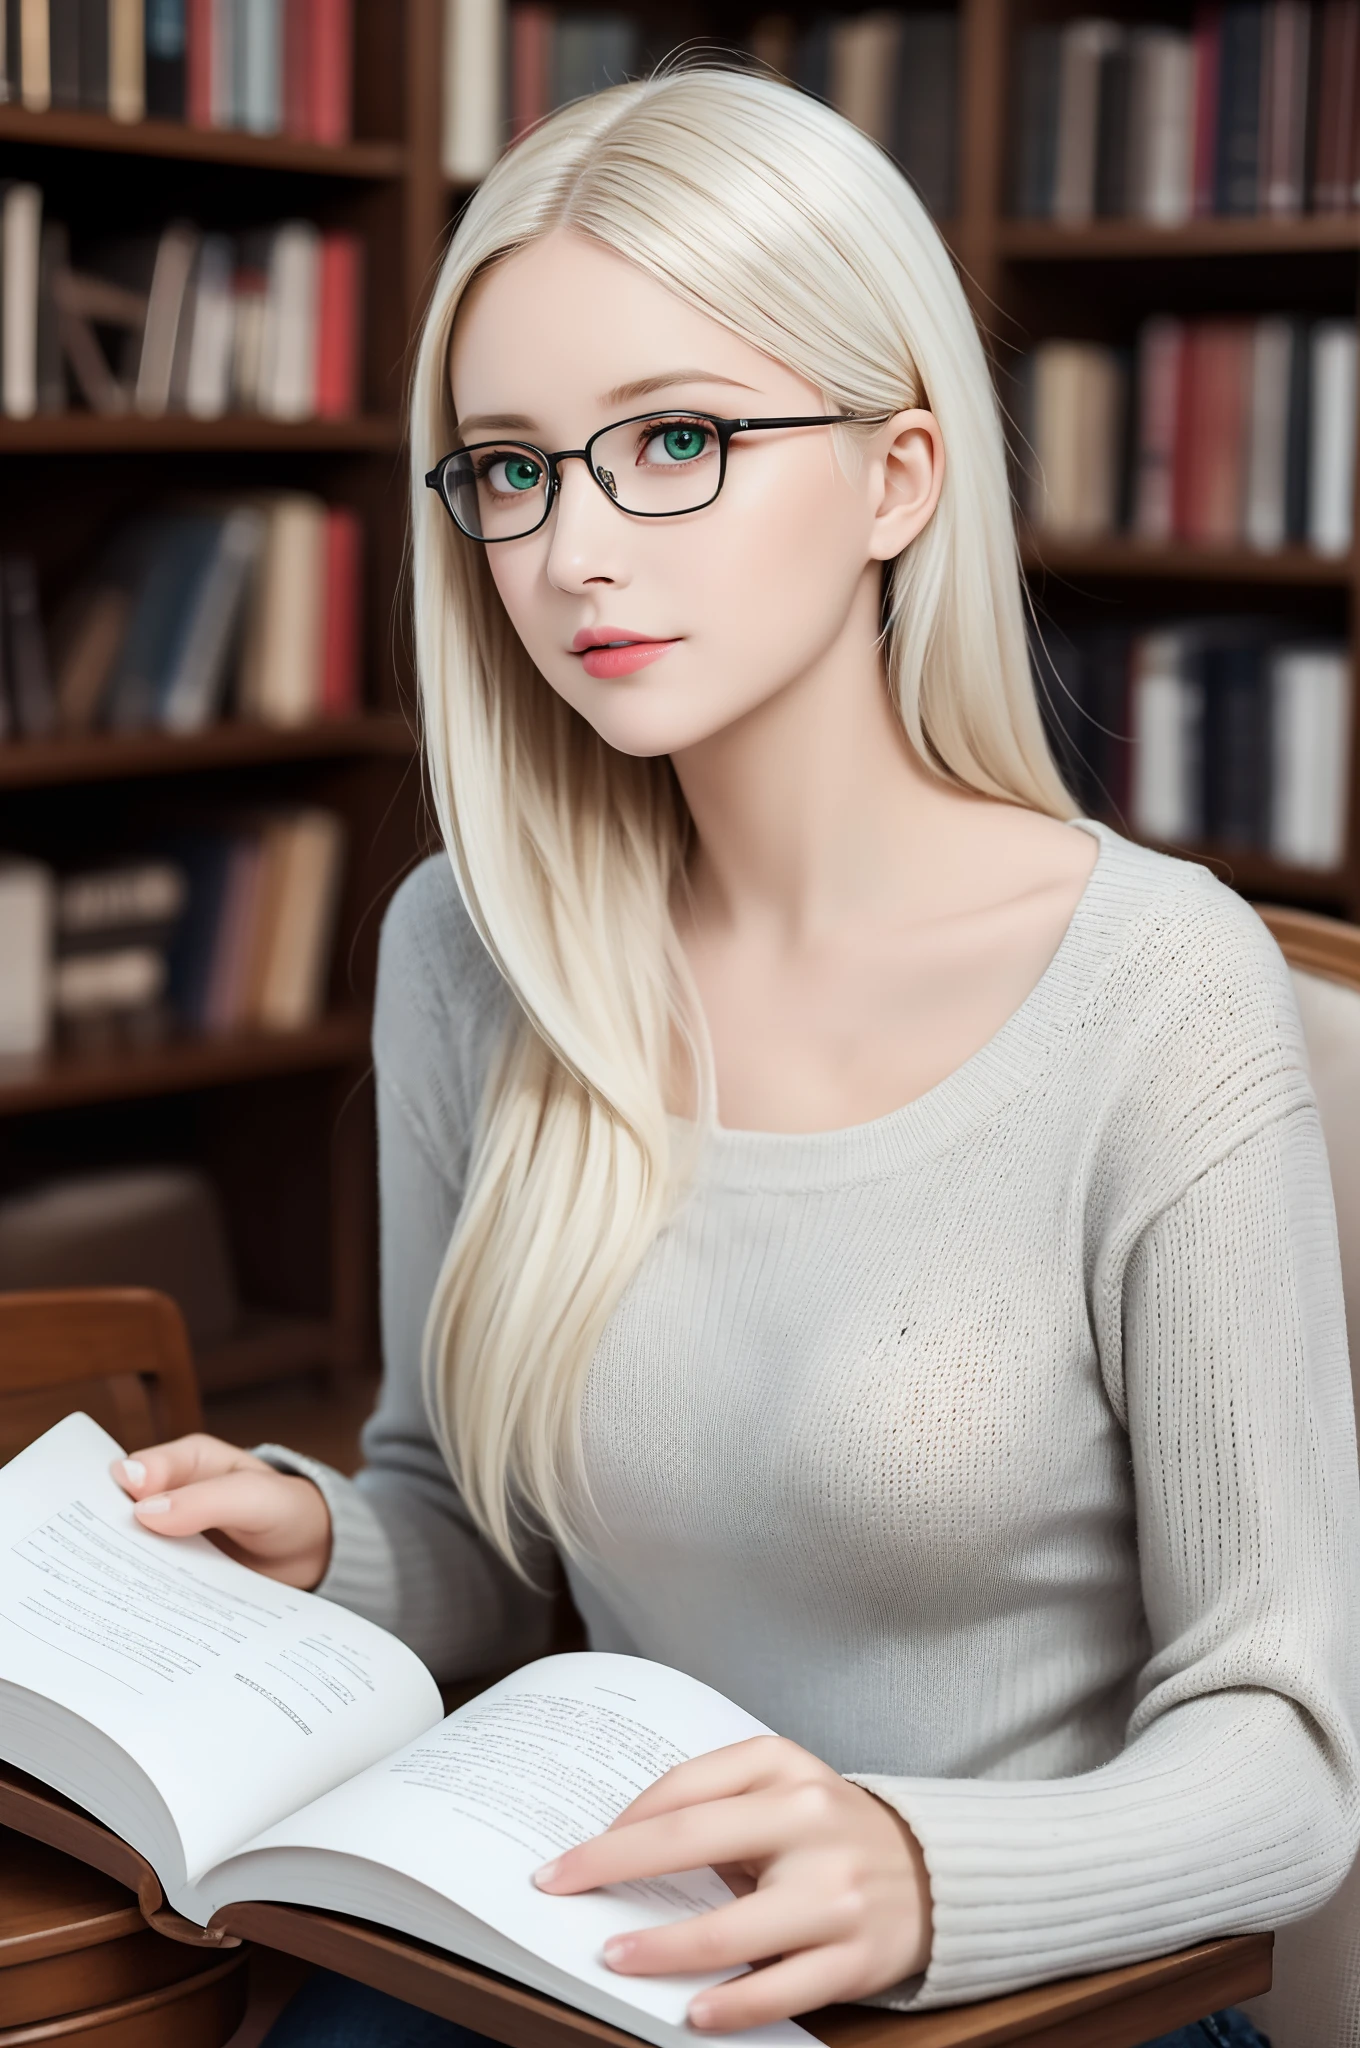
1115,2009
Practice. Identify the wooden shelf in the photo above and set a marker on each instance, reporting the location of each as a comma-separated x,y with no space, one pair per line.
67,1080
89,433
65,129
106,756
1120,557
1042,241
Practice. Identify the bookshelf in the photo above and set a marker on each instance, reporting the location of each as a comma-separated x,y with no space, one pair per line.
283,1122
280,1120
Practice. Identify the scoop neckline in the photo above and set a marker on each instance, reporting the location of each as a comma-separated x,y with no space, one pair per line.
967,1094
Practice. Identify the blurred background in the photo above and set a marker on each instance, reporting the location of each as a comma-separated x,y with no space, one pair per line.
218,221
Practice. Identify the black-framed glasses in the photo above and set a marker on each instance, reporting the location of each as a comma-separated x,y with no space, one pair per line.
656,465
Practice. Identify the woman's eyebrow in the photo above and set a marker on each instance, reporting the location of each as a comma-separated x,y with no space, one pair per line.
622,394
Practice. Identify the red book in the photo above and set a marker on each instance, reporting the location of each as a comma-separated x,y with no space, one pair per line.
531,42
337,326
332,70
1211,458
1208,43
341,597
299,67
200,41
1339,45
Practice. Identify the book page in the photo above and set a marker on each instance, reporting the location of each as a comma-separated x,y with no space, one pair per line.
539,1762
238,1697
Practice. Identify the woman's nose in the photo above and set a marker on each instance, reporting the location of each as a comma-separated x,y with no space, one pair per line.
589,537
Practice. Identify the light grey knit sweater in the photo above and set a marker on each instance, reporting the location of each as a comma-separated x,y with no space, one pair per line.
1000,1451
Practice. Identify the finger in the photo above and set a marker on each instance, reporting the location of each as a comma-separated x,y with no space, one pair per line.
241,1504
802,1982
758,1824
161,1467
760,1761
766,1923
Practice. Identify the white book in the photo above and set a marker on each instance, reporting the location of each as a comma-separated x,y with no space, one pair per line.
1161,188
193,696
254,1742
27,924
261,95
288,343
474,87
1166,718
34,53
124,978
297,962
1272,346
165,308
281,665
1082,46
1078,397
1331,436
1310,709
207,380
20,247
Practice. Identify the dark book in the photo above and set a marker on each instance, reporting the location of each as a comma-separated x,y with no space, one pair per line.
1297,435
166,52
207,861
63,47
1035,153
1058,669
11,74
1105,702
94,56
7,723
925,131
1112,131
54,256
812,61
1237,181
178,551
1236,744
35,708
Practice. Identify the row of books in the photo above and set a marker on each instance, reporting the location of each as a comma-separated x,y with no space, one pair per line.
220,930
249,606
1255,111
1214,432
894,74
275,67
179,321
1230,732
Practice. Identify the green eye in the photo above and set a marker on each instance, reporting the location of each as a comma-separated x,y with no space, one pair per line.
521,474
682,443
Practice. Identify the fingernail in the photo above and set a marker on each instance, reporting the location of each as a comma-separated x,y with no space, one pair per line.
700,2013
618,1949
158,1505
548,1872
134,1471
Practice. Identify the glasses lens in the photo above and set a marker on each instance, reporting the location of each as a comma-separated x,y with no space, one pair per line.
669,463
497,491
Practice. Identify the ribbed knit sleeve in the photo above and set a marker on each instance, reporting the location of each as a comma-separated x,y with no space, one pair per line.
1235,1802
405,1553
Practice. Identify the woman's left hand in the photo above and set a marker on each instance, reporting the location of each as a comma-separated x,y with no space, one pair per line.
833,1881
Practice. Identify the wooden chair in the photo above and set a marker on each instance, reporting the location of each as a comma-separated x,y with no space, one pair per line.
1314,2001
78,1961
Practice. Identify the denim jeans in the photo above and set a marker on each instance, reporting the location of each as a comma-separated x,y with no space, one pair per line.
332,2012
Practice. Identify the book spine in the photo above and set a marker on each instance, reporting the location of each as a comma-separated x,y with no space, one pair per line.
27,925
35,704
1264,521
1310,753
1161,347
298,65
64,52
1036,123
473,89
342,582
166,49
200,46
1285,108
35,56
531,28
1165,192
127,60
338,311
94,56
50,362
1237,736
1237,176
1217,515
20,259
288,367
332,74
1208,40
1331,452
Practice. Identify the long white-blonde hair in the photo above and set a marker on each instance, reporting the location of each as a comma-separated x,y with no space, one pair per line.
775,216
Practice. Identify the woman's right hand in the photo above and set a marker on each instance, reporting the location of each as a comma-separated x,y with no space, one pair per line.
273,1521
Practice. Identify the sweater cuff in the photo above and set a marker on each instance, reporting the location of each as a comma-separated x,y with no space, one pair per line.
362,1572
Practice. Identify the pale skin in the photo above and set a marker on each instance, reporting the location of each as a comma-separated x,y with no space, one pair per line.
856,930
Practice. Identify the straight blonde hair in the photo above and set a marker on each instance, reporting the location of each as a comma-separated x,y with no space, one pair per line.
773,215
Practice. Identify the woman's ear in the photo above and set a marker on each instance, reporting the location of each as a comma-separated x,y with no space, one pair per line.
911,468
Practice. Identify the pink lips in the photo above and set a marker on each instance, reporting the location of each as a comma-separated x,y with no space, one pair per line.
610,651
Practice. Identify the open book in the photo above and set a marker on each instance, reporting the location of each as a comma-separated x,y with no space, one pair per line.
253,1742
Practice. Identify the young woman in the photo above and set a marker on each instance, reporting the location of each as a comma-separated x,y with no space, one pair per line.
872,1224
